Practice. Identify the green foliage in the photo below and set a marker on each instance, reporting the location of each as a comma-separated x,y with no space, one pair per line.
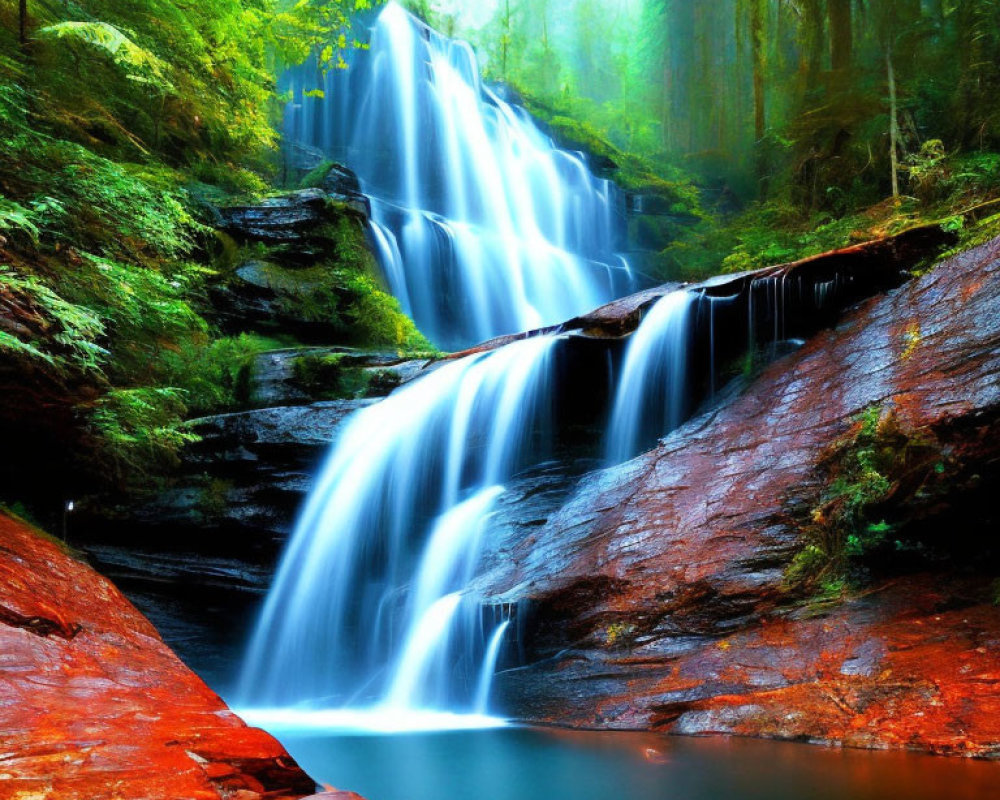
866,469
15,218
140,431
782,102
314,178
215,374
136,63
927,167
118,122
330,377
65,335
377,320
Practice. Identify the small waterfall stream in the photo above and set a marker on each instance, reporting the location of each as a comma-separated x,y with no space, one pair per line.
367,608
653,392
483,227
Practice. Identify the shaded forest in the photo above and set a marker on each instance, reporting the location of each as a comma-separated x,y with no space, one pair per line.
791,117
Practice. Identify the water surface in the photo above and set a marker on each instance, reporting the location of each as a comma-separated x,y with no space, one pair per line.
541,764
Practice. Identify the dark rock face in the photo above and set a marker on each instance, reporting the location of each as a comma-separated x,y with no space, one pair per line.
197,558
343,186
657,595
247,475
288,219
96,705
294,289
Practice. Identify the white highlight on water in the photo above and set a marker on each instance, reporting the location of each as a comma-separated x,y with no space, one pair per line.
653,388
370,720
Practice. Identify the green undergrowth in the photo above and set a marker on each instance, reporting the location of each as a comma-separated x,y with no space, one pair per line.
121,125
874,474
341,375
958,191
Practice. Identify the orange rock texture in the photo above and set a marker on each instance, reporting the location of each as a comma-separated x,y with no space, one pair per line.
94,705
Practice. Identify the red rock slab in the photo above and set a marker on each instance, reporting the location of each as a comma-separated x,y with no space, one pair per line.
707,508
94,705
898,667
692,539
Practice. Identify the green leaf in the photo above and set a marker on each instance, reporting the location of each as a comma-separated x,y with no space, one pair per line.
137,63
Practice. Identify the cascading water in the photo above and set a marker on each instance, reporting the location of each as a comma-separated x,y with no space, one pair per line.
367,608
653,390
483,227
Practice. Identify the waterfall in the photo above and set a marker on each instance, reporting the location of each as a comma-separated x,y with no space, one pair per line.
482,226
652,393
367,609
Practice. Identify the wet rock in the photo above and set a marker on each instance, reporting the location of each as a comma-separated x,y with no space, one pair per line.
246,478
286,219
271,298
251,435
276,380
343,186
111,712
656,596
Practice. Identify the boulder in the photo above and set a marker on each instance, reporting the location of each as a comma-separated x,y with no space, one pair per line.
343,186
285,219
96,706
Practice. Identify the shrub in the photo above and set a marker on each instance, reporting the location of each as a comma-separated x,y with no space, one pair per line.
864,470
330,376
140,432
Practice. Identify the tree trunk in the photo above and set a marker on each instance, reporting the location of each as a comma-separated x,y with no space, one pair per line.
812,40
757,11
22,19
841,34
757,48
893,124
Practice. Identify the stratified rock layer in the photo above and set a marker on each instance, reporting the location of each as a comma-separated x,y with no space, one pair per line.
94,705
659,592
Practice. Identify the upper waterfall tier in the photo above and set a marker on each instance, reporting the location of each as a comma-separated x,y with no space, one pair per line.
483,226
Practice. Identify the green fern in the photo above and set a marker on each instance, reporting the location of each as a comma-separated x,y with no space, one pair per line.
137,63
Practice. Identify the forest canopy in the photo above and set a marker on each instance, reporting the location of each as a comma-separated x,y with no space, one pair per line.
809,99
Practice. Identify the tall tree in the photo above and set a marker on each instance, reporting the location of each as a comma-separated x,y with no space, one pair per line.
22,22
841,34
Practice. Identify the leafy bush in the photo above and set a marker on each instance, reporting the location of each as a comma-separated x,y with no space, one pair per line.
140,432
215,375
331,376
927,168
66,335
378,320
136,63
865,469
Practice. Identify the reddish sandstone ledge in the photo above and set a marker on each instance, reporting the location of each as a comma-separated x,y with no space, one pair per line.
94,705
658,591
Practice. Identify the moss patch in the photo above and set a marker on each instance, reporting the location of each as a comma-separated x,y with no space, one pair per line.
873,473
